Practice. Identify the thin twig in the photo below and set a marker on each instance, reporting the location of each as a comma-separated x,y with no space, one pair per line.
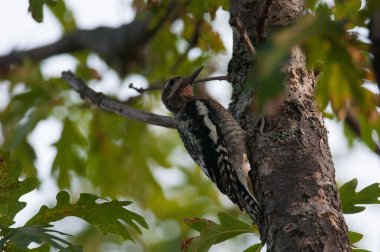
155,87
236,22
142,90
219,78
111,105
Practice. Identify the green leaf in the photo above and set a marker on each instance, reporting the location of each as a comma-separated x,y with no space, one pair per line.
106,216
254,248
347,10
36,8
11,189
135,151
26,155
21,237
311,4
213,233
64,15
354,237
27,108
350,198
68,155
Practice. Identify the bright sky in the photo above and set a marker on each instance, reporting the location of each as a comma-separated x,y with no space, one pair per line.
19,31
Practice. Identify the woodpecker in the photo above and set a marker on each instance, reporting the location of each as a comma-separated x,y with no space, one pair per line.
214,140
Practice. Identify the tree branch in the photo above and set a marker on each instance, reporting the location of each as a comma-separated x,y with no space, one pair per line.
111,105
118,47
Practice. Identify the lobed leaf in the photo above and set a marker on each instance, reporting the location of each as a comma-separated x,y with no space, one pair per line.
213,233
107,216
18,239
354,238
350,198
11,189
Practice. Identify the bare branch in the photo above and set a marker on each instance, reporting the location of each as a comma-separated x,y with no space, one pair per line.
67,43
111,105
118,47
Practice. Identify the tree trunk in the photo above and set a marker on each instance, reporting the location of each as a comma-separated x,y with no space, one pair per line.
292,170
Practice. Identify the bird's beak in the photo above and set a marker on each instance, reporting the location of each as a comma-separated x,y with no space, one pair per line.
189,80
195,74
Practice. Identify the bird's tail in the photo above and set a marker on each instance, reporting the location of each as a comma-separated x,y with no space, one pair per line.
250,204
252,207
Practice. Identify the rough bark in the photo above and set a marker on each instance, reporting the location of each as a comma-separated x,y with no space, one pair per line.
292,169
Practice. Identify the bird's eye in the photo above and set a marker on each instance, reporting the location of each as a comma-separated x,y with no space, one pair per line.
171,82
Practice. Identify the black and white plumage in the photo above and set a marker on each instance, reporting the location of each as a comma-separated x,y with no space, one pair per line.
213,139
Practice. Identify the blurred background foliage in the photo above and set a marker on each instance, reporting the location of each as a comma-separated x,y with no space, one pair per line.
118,158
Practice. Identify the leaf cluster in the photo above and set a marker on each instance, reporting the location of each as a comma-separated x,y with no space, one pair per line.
107,216
104,153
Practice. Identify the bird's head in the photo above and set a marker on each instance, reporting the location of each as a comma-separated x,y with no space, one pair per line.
178,90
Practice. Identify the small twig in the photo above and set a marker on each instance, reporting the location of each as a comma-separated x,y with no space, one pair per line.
142,90
219,78
154,88
111,105
236,22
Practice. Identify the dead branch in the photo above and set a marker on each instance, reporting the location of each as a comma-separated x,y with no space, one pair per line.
109,104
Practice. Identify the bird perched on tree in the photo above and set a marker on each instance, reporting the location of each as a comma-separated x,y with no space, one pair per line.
213,139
